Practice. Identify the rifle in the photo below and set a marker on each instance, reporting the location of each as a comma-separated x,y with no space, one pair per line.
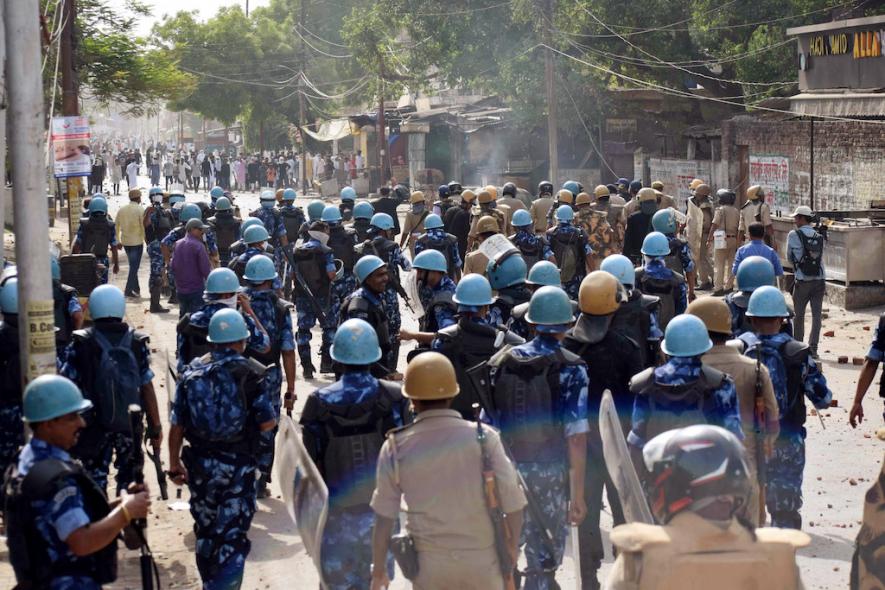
503,534
149,569
158,466
759,428
398,287
317,308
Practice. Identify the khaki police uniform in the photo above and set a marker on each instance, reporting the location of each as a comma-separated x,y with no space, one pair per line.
539,210
743,370
432,470
479,213
665,201
413,226
726,218
749,214
691,552
476,262
697,228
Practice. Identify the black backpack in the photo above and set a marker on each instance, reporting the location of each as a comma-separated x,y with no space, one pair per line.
812,253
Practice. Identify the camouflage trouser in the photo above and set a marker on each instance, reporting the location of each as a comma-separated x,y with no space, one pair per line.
73,583
573,286
341,288
155,255
97,462
783,495
347,550
548,483
273,380
103,274
12,435
222,504
394,322
305,318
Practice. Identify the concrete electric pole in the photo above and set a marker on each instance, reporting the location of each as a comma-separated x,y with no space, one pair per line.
26,137
549,77
70,106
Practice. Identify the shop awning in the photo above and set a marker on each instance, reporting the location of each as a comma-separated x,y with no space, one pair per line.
330,130
838,104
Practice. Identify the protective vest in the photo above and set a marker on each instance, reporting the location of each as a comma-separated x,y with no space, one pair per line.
160,225
510,297
567,245
633,320
739,301
61,297
526,402
531,252
442,245
89,349
382,248
361,227
665,289
468,344
376,314
27,549
342,242
690,553
226,229
96,235
603,352
673,261
442,299
194,343
676,406
272,357
794,356
354,434
10,371
293,219
311,266
444,205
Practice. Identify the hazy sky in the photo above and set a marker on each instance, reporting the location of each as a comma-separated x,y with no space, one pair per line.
204,7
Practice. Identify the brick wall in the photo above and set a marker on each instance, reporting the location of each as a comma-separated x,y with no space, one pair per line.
849,158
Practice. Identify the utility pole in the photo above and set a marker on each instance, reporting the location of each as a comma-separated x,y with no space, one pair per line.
3,110
25,86
549,78
382,141
301,115
70,106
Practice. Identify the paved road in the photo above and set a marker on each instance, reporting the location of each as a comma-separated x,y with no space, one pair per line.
836,457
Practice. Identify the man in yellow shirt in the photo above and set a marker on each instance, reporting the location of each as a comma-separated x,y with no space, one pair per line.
130,233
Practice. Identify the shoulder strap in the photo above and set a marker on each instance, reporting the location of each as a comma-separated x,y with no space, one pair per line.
42,474
712,376
643,381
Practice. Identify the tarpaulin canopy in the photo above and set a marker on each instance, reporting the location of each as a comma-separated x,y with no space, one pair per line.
848,104
330,130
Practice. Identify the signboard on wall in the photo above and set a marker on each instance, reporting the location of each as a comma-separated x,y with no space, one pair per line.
676,176
772,173
70,147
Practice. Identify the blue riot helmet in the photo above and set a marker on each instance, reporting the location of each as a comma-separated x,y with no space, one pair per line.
9,296
363,210
331,214
315,210
223,280
382,221
433,221
260,269
521,218
107,301
188,212
216,193
686,335
550,310
767,302
655,244
544,273
754,272
564,214
227,325
51,396
289,194
430,260
473,290
267,198
222,204
511,270
664,221
255,234
98,205
365,266
348,194
355,343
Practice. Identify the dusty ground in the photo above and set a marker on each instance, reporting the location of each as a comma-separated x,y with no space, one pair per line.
841,463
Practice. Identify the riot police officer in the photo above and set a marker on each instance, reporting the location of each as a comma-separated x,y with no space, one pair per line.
226,228
638,316
534,248
436,238
413,224
273,223
436,290
680,258
456,221
444,201
487,208
97,235
387,250
293,217
11,433
255,238
388,203
315,271
158,223
222,292
756,210
476,261
362,219
654,278
66,307
571,249
507,276
348,197
639,224
220,408
612,358
752,273
564,198
700,481
541,206
238,247
795,375
612,205
367,303
111,363
600,234
698,220
60,527
551,454
473,340
342,241
343,430
274,315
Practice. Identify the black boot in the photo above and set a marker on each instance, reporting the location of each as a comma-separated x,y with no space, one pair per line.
173,297
155,302
325,360
306,362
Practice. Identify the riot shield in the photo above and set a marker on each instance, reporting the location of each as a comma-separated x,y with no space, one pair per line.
304,492
620,465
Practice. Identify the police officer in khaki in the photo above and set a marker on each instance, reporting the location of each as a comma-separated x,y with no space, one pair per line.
476,261
664,201
541,206
413,224
757,416
725,221
697,228
613,207
701,542
487,208
446,512
756,209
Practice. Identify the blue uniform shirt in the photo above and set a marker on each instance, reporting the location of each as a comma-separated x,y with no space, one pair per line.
684,253
258,340
69,361
272,220
313,244
724,410
877,348
573,384
264,308
758,248
440,234
523,237
657,269
445,316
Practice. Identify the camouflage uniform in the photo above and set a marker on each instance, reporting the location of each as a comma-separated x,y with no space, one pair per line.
12,435
116,445
200,319
723,411
614,213
600,234
877,353
657,269
573,285
444,316
306,316
684,253
103,260
276,229
784,468
221,481
246,256
155,255
440,234
527,238
548,481
57,518
347,541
